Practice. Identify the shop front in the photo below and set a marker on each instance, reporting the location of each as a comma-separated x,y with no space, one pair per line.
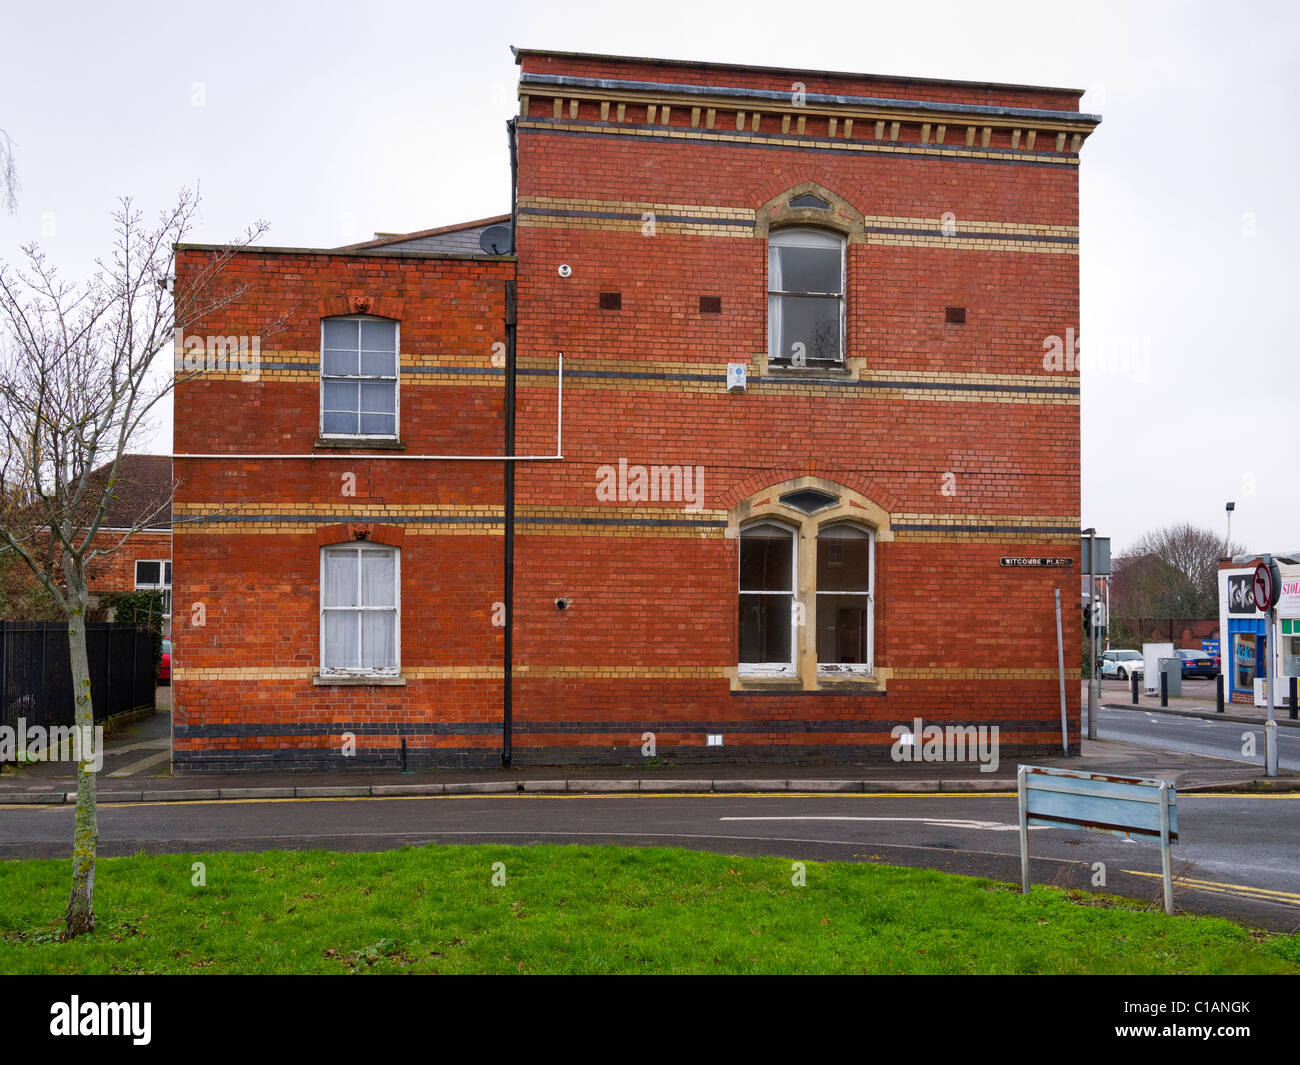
1245,662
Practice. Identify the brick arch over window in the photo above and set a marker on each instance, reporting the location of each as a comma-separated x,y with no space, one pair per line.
343,304
349,532
860,491
839,216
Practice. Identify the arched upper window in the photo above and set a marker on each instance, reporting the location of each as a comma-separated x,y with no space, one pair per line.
358,377
805,297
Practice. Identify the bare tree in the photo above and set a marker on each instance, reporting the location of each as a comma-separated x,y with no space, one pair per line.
78,383
8,174
1170,572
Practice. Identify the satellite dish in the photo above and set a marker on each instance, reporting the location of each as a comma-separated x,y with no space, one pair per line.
495,240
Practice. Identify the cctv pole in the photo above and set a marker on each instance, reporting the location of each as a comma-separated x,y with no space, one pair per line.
1092,629
1060,665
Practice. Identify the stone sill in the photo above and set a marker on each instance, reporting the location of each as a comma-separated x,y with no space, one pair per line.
341,680
862,683
758,682
810,372
868,684
378,443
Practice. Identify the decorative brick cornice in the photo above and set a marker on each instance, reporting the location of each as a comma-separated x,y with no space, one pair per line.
946,127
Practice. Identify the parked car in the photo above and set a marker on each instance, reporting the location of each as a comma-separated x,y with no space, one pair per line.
1198,664
1122,664
165,669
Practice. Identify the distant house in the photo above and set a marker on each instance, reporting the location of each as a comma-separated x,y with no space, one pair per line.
141,507
142,500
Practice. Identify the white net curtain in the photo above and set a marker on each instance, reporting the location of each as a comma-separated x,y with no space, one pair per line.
359,608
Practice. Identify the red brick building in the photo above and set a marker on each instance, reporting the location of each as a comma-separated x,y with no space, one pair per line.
818,402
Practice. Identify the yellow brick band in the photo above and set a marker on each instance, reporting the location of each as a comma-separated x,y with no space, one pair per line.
527,671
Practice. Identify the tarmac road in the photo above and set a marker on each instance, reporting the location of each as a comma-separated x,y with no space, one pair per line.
1194,735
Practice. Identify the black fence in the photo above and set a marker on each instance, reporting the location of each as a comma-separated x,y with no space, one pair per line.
36,671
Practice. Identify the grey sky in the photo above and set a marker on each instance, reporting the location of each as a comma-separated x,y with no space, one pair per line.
332,120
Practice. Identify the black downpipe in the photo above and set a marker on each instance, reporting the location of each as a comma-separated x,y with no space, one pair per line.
507,705
507,678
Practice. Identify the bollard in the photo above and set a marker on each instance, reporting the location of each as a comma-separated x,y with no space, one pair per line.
1292,714
1133,679
1164,688
1218,694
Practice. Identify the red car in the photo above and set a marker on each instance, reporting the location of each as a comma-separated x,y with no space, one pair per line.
165,669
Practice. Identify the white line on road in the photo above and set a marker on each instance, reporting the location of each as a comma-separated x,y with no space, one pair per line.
953,822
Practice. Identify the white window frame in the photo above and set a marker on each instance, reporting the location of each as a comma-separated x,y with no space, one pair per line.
808,237
164,585
396,379
857,669
774,669
364,671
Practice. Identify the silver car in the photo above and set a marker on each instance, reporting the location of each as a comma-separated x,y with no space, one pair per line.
1122,664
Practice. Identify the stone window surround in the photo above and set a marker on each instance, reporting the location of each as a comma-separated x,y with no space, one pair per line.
854,508
842,218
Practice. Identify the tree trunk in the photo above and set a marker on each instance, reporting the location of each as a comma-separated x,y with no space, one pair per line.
80,917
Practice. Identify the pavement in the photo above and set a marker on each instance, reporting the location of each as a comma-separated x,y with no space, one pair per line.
137,769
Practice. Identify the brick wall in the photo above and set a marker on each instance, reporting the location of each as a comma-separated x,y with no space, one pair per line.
247,599
986,445
956,444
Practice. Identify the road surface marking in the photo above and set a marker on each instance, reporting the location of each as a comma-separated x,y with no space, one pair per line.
144,763
1284,898
938,822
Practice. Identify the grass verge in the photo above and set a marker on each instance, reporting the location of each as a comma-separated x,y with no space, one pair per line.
568,909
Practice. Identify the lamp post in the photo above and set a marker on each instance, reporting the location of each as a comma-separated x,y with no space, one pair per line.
1227,543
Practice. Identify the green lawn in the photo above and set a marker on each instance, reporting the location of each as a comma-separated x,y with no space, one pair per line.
590,910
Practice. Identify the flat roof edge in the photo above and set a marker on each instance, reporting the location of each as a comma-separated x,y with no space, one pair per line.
373,253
